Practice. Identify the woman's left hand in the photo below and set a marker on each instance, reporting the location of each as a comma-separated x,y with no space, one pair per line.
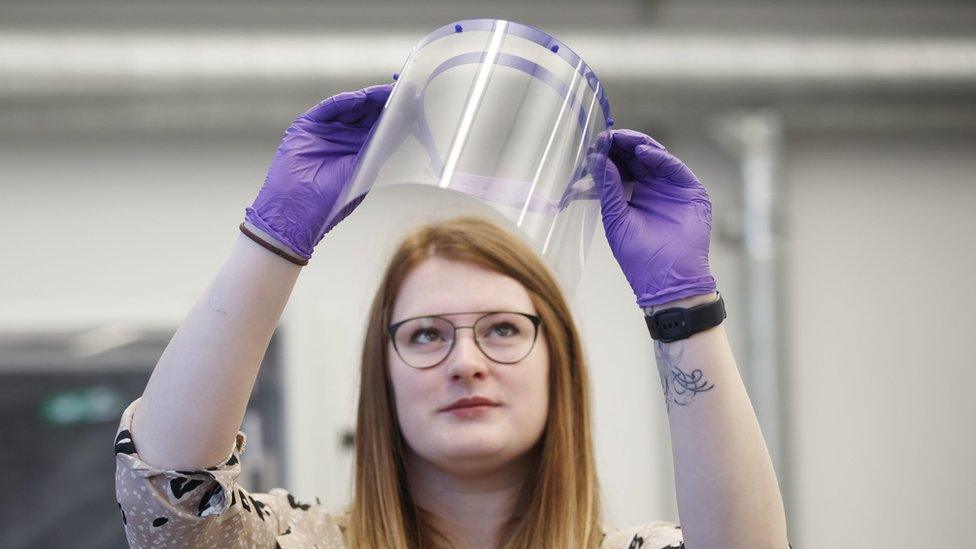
660,237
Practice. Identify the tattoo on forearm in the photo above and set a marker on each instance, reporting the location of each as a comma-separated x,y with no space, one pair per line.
679,387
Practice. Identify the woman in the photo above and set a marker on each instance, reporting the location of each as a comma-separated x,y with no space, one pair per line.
473,421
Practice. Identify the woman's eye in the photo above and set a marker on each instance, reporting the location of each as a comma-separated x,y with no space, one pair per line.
424,336
505,329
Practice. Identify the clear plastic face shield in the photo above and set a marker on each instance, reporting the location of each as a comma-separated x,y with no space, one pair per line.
503,113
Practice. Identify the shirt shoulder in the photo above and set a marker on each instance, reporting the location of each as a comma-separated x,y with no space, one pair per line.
208,508
651,535
307,525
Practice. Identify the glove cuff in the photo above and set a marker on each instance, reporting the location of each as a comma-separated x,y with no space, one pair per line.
282,237
268,243
702,286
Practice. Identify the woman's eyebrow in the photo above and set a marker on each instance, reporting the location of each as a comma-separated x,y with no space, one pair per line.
483,312
461,313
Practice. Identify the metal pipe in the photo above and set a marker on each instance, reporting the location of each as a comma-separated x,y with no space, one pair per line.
53,61
755,138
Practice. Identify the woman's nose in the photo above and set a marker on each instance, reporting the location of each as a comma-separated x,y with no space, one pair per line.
466,359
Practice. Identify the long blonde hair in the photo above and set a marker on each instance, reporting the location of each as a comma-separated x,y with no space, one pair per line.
559,505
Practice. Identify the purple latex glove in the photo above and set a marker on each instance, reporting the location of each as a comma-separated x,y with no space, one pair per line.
313,166
660,237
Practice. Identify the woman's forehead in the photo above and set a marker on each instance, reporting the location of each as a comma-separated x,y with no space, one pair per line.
439,286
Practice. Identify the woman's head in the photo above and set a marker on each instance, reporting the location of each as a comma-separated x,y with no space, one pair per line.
425,383
470,266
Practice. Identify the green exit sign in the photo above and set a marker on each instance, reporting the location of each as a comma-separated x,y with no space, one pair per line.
89,405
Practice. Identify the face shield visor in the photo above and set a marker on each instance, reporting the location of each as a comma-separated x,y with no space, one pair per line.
506,115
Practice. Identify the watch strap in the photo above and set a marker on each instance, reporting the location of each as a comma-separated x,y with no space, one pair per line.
678,323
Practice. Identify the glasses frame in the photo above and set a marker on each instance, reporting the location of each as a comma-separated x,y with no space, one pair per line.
392,329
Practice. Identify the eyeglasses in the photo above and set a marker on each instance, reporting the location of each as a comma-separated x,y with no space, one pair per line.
504,337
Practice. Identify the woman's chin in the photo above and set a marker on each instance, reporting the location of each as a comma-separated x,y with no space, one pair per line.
473,451
477,447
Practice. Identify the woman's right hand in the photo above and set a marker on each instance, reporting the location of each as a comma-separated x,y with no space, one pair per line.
313,166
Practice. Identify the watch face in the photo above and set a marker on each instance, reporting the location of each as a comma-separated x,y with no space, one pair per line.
672,324
677,323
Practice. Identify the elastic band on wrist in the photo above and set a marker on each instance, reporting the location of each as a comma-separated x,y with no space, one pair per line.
270,248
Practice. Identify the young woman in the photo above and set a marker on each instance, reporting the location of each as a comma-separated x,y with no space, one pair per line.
473,426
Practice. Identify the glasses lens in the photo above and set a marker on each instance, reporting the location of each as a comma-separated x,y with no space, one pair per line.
423,342
505,337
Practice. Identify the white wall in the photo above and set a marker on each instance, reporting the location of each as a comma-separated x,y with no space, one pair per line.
880,278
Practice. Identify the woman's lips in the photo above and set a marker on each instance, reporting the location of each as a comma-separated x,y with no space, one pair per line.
467,402
471,411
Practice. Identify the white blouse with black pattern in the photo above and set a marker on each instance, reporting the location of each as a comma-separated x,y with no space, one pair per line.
207,508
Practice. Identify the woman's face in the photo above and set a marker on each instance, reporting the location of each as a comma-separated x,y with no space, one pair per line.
479,439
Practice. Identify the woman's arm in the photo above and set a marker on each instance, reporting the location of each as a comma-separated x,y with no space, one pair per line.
194,402
728,496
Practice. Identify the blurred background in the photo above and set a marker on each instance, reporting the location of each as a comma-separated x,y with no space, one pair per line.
837,139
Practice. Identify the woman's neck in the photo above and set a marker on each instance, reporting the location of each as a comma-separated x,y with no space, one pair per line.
470,507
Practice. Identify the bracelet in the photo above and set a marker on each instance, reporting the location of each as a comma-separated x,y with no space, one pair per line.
270,248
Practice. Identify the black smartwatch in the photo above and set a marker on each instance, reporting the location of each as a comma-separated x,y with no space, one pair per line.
676,323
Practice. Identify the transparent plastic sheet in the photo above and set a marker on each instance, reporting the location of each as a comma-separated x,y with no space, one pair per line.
505,114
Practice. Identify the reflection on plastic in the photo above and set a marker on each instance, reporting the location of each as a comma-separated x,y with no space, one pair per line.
505,114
